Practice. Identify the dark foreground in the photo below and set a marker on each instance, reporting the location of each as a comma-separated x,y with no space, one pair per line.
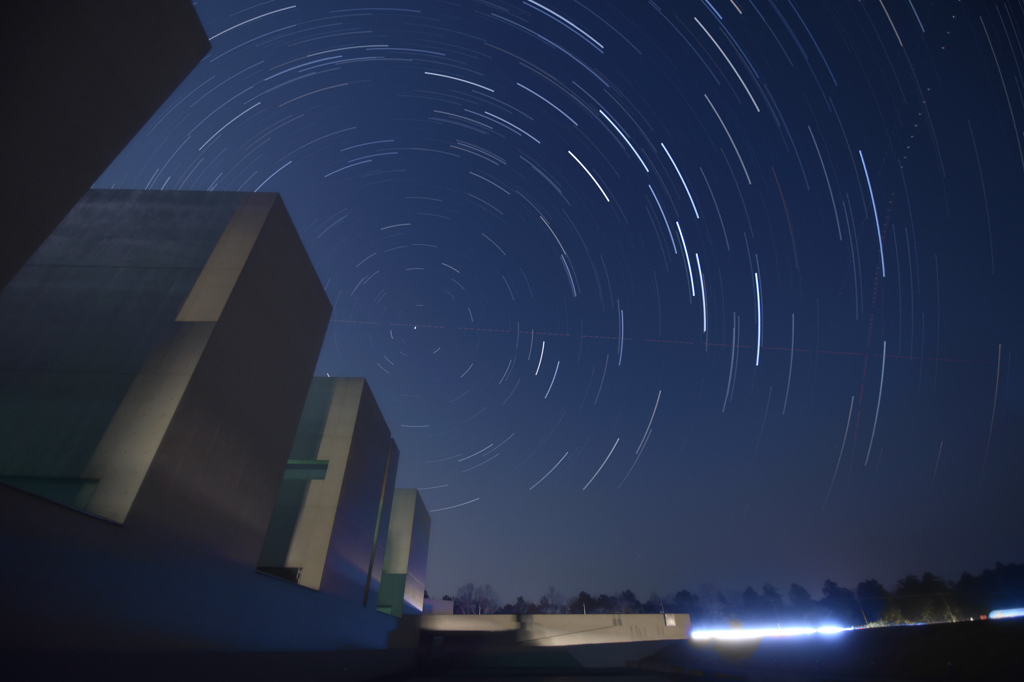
978,650
981,650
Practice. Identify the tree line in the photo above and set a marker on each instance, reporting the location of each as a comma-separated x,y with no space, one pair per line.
924,599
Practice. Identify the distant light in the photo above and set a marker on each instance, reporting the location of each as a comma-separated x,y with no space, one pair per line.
760,633
1007,613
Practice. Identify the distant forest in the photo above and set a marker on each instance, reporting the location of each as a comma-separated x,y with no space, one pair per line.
924,599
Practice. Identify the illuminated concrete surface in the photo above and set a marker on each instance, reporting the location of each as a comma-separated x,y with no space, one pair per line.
333,508
87,76
405,560
564,629
469,642
155,353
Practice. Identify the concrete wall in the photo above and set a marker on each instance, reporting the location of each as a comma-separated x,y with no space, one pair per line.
405,559
335,528
82,317
88,75
154,359
565,629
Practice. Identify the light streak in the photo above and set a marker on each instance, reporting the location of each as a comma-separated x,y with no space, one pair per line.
685,186
686,253
537,371
881,381
602,465
603,373
626,140
995,397
742,82
272,175
251,20
454,506
731,141
475,85
757,281
759,633
703,297
622,334
667,226
227,124
829,182
936,471
548,473
553,377
732,363
840,458
571,283
898,39
550,103
647,433
881,253
565,22
591,176
792,344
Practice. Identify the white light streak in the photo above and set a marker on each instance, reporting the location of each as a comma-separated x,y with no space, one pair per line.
686,253
591,176
562,20
881,381
881,253
461,80
733,142
622,334
227,124
548,473
840,458
454,506
647,433
553,376
540,360
549,102
681,179
271,175
250,20
757,281
703,297
602,465
730,64
626,140
667,226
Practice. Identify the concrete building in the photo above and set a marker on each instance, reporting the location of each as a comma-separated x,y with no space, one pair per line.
88,75
156,355
331,518
154,359
405,560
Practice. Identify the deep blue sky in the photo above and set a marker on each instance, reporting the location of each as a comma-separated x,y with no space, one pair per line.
490,192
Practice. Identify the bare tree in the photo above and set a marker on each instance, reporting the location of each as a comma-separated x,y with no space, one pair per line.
476,599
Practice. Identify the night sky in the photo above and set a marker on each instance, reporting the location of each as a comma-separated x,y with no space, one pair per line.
653,295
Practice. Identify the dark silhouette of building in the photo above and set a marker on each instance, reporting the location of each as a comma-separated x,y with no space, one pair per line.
81,78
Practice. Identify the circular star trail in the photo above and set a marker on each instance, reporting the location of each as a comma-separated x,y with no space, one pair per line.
651,294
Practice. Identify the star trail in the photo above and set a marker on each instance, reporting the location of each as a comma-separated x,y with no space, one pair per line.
576,248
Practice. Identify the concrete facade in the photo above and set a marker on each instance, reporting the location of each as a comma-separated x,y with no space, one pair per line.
330,523
87,76
137,377
405,560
